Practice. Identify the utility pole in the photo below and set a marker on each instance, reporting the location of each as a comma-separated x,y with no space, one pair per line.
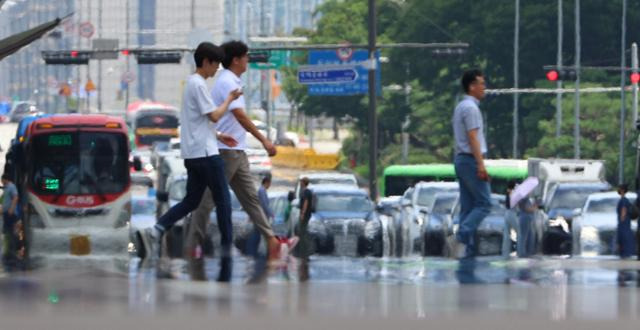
634,69
623,80
576,125
100,61
559,81
516,40
126,98
373,118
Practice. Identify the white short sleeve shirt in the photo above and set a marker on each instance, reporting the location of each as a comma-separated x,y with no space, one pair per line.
197,131
228,81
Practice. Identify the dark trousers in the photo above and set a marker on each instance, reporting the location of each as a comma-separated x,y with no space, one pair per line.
202,173
9,231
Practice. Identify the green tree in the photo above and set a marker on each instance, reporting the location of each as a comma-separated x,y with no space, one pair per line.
600,133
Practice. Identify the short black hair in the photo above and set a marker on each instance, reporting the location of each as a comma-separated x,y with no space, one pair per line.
209,51
624,187
469,77
233,49
511,184
6,176
267,178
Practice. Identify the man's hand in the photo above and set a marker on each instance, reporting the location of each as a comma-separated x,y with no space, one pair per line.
235,94
11,211
482,173
269,147
227,140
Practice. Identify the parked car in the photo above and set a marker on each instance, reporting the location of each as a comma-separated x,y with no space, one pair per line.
343,222
489,232
595,225
558,211
432,228
417,203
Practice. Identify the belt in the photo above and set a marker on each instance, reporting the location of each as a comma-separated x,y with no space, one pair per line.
465,154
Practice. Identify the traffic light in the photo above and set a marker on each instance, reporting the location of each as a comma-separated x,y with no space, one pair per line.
158,57
634,77
73,57
258,57
554,74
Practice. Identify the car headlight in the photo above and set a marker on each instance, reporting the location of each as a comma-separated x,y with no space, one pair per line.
589,234
560,221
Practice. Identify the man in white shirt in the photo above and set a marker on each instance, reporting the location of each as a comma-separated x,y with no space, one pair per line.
236,124
199,148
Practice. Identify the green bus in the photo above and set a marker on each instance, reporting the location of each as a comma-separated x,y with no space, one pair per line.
398,178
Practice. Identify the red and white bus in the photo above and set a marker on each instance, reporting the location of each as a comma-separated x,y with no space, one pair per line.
152,121
77,182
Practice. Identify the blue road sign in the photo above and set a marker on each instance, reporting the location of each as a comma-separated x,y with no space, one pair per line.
321,74
358,86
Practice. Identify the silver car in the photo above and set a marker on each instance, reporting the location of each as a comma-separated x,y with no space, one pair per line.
595,225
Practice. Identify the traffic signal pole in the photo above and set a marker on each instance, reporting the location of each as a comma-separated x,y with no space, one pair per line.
623,81
559,82
373,118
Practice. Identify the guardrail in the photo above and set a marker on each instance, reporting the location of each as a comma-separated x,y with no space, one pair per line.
305,159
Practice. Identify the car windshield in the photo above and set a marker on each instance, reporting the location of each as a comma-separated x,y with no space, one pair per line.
342,203
427,195
444,204
143,206
179,189
338,181
605,205
571,197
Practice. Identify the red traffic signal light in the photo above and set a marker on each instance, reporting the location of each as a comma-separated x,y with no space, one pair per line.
125,52
74,53
552,75
635,78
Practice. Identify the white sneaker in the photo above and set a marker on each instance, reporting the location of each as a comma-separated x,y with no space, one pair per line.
150,238
459,249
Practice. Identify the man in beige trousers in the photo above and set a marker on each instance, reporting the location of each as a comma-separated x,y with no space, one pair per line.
236,165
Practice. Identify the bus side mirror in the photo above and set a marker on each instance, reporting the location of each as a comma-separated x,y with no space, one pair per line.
162,196
137,164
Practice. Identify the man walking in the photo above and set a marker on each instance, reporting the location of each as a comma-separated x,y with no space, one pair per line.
199,148
236,124
9,219
470,148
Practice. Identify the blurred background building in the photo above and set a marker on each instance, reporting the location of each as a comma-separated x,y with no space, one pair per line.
134,23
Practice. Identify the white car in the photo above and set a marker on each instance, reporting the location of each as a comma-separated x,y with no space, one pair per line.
416,204
327,178
594,229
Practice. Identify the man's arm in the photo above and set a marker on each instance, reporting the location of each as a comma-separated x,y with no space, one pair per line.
248,125
477,153
216,114
303,210
14,204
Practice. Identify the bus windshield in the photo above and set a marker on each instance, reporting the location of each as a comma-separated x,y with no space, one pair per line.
79,162
153,126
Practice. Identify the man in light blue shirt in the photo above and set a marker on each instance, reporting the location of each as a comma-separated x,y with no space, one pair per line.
470,148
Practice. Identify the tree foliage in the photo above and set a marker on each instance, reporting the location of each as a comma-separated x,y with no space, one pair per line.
488,26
